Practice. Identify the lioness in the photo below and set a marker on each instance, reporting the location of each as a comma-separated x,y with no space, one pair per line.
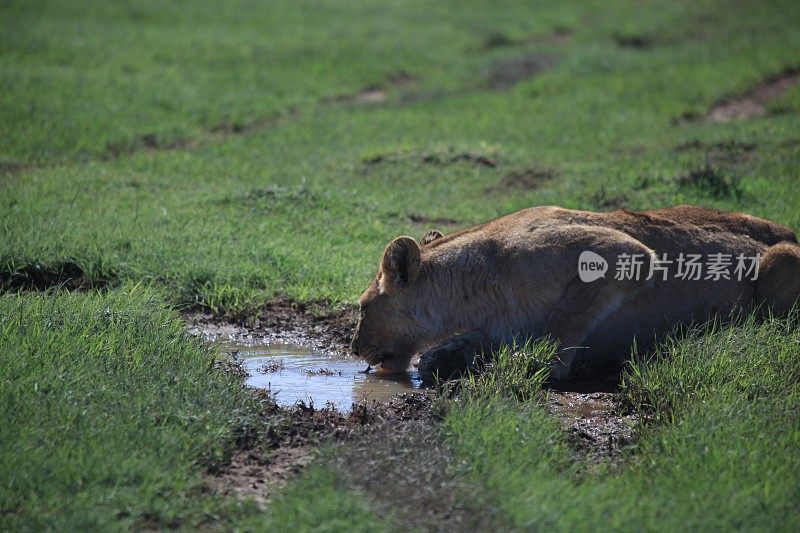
518,277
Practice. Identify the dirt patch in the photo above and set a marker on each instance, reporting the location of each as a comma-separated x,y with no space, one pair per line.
752,104
370,95
527,179
498,39
635,41
252,476
148,142
720,153
282,321
505,74
430,95
375,94
449,156
14,167
468,157
716,147
231,128
394,453
594,422
438,221
294,435
403,79
271,197
409,470
559,35
592,413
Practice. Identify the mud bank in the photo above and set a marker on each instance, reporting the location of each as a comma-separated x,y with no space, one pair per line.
295,434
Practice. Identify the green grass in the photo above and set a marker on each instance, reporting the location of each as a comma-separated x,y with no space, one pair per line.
214,153
319,501
111,414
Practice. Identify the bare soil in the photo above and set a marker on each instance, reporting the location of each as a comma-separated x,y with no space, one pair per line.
448,157
408,469
375,94
591,411
495,40
282,321
295,434
441,221
754,103
505,74
639,42
526,179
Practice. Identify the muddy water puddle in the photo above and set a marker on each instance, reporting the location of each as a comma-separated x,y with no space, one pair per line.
296,373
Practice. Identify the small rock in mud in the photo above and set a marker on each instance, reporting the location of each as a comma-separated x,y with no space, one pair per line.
270,367
321,372
594,421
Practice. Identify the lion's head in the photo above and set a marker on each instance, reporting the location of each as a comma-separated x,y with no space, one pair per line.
391,327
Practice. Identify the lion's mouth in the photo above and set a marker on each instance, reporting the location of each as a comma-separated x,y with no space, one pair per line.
377,359
392,365
387,363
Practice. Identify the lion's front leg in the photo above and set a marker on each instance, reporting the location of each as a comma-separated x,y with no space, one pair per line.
454,357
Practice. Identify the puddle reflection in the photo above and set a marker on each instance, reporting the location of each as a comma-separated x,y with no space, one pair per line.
295,373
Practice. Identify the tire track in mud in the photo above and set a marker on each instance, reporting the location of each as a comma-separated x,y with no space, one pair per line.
399,439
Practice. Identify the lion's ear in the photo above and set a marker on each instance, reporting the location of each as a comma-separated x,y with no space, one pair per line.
431,236
400,265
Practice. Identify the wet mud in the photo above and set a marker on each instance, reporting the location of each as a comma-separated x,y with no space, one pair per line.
281,322
296,432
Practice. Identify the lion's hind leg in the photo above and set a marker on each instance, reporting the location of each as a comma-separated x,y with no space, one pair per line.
778,283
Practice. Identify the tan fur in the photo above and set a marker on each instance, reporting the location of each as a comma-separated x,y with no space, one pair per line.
517,277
